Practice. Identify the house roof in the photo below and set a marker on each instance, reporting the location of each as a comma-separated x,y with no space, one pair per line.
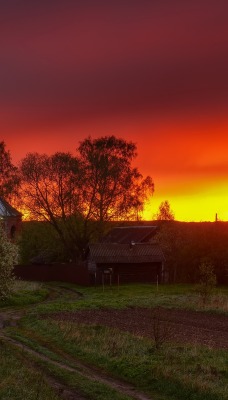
128,234
6,210
113,253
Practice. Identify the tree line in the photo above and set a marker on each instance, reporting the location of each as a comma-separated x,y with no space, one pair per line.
74,199
77,195
187,245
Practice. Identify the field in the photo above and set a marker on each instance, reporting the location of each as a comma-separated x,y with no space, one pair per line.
60,341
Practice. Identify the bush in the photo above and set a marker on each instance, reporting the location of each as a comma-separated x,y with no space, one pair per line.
8,258
207,280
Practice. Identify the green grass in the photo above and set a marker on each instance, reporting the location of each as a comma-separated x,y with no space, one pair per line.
25,293
169,296
175,372
137,295
89,388
19,382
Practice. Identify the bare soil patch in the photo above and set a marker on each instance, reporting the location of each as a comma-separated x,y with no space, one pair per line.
187,326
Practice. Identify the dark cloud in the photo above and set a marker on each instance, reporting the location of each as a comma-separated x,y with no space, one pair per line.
96,57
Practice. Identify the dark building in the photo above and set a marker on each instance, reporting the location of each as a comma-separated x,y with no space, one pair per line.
10,218
127,234
127,254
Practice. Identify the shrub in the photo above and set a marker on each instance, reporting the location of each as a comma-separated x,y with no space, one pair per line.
207,280
8,258
161,328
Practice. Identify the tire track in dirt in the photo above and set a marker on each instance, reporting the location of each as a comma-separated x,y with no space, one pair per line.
83,370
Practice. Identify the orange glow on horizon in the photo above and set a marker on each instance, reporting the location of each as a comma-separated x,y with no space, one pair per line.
185,156
191,208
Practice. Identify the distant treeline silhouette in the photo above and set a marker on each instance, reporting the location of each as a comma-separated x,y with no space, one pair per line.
186,244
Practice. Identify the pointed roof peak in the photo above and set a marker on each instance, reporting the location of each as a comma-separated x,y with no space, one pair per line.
6,210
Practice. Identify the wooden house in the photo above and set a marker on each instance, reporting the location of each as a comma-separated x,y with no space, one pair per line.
127,254
127,234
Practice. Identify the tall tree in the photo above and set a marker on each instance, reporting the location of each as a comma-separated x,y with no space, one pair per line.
113,189
51,192
9,178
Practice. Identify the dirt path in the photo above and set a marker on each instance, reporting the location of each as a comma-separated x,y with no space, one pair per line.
187,326
83,370
10,317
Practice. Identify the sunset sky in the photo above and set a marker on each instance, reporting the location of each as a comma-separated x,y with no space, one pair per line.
151,71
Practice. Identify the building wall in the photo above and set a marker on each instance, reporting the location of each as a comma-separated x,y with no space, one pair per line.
79,274
12,226
128,273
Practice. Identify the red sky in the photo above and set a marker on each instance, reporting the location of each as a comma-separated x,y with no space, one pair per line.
154,72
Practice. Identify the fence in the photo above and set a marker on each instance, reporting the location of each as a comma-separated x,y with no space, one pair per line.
74,273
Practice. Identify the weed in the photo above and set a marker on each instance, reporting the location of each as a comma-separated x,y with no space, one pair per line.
162,330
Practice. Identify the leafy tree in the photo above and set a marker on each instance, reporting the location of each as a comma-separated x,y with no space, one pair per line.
40,243
78,195
113,189
9,178
51,187
164,212
8,258
186,244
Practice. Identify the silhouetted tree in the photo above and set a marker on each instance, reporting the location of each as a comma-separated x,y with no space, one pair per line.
78,195
51,188
113,189
164,212
9,178
186,244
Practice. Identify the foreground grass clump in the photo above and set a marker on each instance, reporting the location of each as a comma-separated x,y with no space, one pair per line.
175,371
19,382
25,293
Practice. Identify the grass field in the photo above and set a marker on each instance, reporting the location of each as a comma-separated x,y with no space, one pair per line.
174,371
